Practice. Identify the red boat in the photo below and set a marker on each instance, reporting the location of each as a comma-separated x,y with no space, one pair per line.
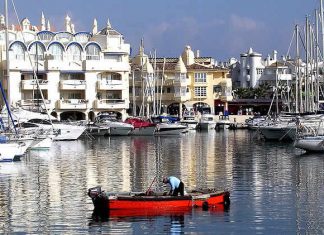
141,127
111,202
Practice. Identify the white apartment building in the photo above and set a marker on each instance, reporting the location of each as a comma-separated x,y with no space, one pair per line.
252,70
79,73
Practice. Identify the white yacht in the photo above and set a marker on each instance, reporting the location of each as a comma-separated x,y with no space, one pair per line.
206,122
189,119
223,122
164,126
96,130
11,151
114,127
170,129
39,121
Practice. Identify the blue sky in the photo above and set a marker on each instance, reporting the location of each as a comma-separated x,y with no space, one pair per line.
218,28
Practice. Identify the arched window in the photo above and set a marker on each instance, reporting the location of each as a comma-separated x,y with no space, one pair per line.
56,51
17,51
63,37
74,52
45,35
36,51
92,51
82,37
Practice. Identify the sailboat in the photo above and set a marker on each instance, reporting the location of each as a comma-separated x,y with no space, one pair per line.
306,95
14,146
311,140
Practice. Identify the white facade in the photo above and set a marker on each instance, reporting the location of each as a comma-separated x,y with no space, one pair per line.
252,68
80,74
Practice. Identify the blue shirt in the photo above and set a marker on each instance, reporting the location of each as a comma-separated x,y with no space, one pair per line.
174,182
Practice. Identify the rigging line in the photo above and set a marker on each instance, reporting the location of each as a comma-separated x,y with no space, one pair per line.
31,63
291,41
301,39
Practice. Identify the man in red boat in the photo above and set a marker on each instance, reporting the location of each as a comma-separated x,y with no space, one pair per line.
176,185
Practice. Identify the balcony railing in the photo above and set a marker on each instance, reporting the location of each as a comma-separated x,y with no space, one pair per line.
110,104
72,104
110,85
33,102
32,84
73,85
181,80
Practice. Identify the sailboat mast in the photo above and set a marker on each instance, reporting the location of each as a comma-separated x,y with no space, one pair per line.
316,61
322,24
306,69
7,52
297,72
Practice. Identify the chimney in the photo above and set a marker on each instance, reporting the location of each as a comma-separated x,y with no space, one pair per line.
275,55
197,54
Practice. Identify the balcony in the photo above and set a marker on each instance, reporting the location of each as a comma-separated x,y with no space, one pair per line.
73,85
72,104
110,85
110,104
32,84
91,65
34,104
181,81
53,64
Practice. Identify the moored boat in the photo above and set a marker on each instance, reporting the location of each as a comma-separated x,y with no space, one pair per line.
141,127
310,143
10,152
189,120
115,126
104,202
206,122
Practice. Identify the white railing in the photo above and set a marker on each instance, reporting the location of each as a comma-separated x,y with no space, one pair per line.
73,84
72,104
110,103
111,85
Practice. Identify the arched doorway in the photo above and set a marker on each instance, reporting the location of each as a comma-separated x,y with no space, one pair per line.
72,116
202,107
173,109
91,116
130,110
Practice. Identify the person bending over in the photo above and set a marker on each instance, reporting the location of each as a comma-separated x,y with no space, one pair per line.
176,185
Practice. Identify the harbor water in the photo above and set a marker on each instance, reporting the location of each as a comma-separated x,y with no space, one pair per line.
275,188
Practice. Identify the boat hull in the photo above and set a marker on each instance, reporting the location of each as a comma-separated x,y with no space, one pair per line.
120,130
310,144
10,152
275,132
150,130
170,129
105,202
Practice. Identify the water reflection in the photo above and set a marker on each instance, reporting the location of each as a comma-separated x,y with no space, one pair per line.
309,193
273,187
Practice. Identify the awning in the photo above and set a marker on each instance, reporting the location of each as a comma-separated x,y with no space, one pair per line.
32,72
72,71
